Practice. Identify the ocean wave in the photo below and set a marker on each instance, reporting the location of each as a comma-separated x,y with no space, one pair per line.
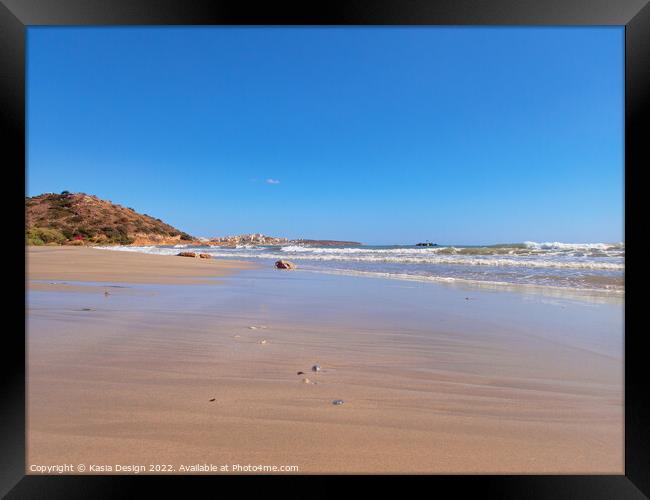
554,255
513,249
146,249
556,245
585,265
435,260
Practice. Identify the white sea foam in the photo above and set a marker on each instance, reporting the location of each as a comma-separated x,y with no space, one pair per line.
144,249
556,245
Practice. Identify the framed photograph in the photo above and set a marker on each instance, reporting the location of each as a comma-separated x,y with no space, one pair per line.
350,239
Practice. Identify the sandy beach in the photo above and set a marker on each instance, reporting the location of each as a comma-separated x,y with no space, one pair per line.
187,362
88,264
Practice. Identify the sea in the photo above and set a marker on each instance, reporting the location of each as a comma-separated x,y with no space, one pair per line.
596,267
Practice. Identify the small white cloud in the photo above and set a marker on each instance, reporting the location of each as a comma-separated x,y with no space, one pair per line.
272,181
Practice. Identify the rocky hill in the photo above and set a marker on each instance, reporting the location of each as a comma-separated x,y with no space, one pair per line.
78,218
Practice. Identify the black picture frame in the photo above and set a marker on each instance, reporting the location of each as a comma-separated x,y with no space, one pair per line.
16,15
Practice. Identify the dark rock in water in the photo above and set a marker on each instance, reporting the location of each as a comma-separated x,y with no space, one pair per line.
315,368
300,373
186,254
426,244
338,402
205,256
86,309
285,264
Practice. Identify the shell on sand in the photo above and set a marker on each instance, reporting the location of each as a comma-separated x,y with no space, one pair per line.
263,341
315,368
306,381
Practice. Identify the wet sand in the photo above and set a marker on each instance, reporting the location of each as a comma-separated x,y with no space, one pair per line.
434,379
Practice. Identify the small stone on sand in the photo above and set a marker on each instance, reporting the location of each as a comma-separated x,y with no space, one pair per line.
300,373
213,399
263,341
306,381
315,368
337,402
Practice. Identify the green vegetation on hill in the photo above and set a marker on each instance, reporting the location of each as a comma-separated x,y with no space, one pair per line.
43,235
78,217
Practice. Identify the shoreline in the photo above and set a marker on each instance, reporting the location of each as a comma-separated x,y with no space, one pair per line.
578,293
431,382
593,279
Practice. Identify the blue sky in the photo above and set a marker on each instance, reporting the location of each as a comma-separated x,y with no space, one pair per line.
380,135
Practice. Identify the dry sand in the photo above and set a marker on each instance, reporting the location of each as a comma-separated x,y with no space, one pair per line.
89,264
129,378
